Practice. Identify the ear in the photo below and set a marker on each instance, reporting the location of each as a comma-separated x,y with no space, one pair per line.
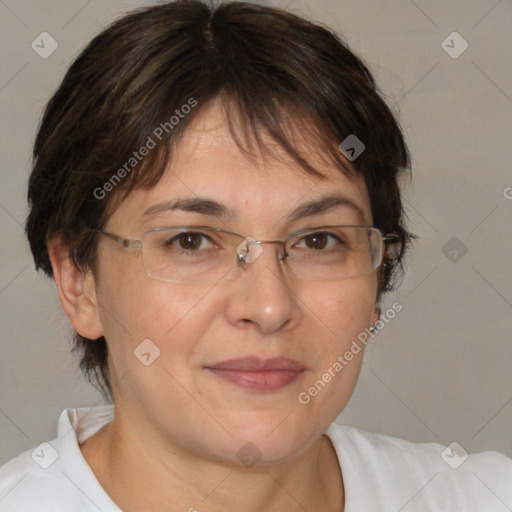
77,291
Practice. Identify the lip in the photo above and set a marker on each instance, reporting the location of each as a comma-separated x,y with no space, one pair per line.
255,364
258,374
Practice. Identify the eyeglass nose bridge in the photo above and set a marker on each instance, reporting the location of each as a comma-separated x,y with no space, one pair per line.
244,254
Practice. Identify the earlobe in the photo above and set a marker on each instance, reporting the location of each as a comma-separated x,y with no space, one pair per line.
77,291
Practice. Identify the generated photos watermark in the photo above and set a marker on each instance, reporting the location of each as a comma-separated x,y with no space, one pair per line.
304,397
147,352
157,135
454,455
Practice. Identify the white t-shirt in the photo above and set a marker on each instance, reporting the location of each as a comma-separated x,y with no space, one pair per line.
380,473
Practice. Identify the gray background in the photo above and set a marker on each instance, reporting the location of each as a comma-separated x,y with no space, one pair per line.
440,371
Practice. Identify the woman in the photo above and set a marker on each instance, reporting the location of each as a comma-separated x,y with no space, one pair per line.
215,192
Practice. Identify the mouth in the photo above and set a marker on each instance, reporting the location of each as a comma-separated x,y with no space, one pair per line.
258,374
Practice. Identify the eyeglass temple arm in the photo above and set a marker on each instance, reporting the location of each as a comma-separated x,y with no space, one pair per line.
393,240
125,242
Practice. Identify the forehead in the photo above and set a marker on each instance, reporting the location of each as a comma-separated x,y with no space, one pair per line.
207,164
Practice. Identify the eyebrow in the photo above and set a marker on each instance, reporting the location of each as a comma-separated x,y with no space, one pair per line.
206,206
193,204
323,205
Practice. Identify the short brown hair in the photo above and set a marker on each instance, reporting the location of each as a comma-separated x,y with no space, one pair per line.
271,68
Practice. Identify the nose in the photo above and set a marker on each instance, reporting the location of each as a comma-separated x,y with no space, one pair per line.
261,296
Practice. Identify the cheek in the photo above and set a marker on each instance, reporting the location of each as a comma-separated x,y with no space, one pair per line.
173,318
134,306
156,310
341,311
344,307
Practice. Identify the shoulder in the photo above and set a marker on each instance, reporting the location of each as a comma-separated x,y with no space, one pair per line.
430,474
28,477
54,476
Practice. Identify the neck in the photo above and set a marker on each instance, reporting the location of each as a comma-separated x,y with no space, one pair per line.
140,474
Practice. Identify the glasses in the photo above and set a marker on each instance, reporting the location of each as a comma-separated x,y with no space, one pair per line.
208,254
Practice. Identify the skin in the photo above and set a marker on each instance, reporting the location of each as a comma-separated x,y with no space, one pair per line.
177,430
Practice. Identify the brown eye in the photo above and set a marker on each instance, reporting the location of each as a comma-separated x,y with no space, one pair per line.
316,241
189,241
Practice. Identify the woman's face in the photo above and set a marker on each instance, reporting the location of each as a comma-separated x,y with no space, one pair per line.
176,401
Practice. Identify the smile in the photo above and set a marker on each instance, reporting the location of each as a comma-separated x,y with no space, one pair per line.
263,380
